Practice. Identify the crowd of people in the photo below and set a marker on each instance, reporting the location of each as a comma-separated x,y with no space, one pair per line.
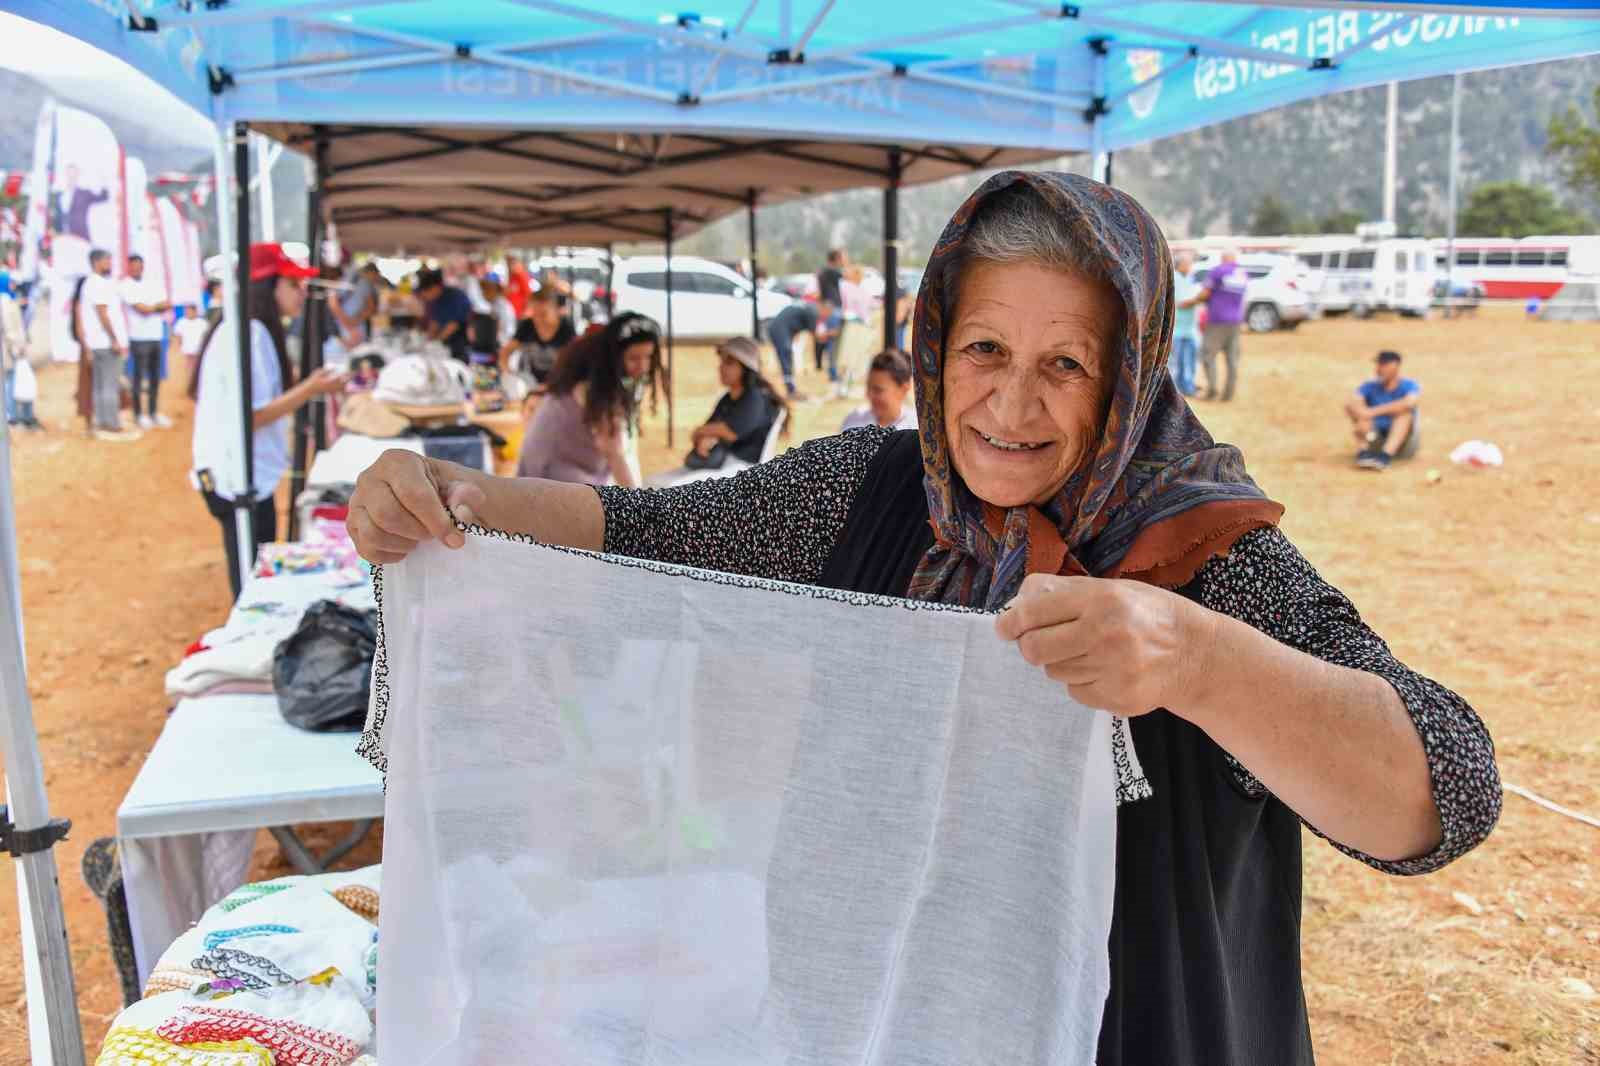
587,389
124,330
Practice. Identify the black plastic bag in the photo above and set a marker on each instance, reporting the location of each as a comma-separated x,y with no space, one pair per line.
323,673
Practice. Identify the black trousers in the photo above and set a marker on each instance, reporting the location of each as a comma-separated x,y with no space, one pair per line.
146,375
222,509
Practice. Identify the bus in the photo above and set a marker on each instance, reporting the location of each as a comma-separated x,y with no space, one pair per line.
1512,269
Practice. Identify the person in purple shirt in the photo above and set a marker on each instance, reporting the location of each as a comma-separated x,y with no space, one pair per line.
1224,290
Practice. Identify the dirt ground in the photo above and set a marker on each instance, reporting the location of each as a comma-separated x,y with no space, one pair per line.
1478,578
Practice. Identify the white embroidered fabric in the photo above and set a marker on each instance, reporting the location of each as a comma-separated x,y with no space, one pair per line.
643,814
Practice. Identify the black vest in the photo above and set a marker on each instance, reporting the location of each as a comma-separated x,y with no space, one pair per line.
1205,933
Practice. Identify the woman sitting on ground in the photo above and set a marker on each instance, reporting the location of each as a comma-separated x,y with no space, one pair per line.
578,432
888,387
743,418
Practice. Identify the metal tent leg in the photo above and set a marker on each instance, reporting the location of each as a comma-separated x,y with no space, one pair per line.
30,832
755,291
891,250
672,387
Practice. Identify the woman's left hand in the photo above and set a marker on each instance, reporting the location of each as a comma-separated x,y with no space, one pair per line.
1120,646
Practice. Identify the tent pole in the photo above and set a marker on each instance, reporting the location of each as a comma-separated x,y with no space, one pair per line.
319,435
239,307
309,416
891,250
265,158
1099,158
47,964
1455,177
755,292
611,282
672,387
572,303
1391,128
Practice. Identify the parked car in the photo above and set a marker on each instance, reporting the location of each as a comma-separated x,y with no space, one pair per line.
709,301
1276,297
798,286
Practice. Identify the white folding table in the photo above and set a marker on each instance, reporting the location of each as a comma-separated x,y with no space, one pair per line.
224,767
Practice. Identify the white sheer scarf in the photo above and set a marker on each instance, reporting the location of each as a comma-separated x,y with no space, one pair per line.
643,814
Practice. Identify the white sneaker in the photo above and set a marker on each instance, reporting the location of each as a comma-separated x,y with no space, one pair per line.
163,422
145,423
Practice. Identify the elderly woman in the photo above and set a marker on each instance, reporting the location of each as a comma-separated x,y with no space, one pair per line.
1058,474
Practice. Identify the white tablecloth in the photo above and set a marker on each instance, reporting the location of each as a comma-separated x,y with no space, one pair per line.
224,767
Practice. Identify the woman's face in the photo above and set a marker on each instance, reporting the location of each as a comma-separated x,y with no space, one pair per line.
730,371
886,396
1027,378
291,296
636,360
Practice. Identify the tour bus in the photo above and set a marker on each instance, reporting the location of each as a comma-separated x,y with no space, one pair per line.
1511,269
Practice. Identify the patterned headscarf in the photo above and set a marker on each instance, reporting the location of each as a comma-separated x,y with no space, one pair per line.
1154,501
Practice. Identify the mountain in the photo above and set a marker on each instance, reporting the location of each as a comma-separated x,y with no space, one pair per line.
1318,156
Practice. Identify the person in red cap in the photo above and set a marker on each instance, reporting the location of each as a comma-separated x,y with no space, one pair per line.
276,292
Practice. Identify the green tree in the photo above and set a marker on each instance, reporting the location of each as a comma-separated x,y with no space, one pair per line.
1512,209
1342,221
1577,145
1272,218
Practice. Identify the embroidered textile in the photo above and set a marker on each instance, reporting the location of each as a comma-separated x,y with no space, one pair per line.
675,816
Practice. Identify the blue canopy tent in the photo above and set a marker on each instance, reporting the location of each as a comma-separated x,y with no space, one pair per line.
588,125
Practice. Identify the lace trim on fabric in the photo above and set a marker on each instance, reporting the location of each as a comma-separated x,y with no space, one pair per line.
1131,782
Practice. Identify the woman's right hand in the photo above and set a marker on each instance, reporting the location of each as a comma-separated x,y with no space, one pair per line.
400,501
325,380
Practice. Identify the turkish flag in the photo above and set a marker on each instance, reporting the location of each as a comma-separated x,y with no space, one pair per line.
13,184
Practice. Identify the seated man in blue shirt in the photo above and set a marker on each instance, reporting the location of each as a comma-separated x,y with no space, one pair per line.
1384,415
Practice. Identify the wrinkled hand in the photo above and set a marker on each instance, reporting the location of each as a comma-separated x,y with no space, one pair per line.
400,502
1120,646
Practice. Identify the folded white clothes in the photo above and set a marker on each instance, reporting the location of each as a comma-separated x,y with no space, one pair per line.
247,658
423,381
668,815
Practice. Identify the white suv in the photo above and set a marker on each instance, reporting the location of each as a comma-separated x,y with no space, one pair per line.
709,301
1278,293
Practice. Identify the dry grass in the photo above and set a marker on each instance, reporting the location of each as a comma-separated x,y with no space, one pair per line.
1482,579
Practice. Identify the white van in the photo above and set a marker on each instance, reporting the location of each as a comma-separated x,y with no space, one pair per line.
1392,274
709,301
